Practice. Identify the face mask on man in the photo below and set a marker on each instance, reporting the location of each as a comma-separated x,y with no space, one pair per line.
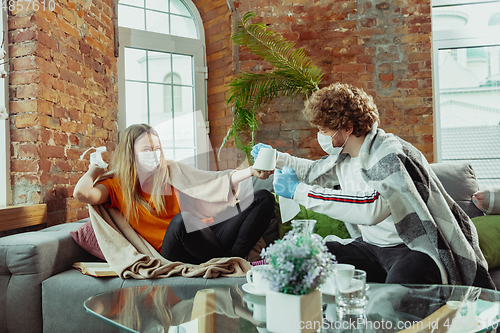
325,141
149,160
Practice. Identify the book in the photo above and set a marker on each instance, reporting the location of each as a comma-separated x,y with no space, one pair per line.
97,269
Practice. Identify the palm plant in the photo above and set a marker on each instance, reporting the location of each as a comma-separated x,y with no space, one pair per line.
293,75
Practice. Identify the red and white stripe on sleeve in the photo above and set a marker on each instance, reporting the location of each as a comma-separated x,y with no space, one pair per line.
367,208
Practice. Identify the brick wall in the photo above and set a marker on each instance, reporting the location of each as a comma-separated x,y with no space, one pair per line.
217,22
64,94
381,46
63,99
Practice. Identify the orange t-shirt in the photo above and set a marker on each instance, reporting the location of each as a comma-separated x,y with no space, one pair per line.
149,226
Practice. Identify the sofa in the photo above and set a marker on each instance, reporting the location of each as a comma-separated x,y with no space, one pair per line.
40,291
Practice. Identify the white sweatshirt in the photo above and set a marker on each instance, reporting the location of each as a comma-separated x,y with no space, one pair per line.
356,202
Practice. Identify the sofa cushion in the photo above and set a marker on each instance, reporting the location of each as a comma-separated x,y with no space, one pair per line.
26,259
460,182
64,294
85,237
263,184
488,232
488,200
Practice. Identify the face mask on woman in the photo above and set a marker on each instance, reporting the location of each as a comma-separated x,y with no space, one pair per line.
325,141
149,160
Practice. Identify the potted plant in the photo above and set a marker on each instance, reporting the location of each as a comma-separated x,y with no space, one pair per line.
299,264
293,75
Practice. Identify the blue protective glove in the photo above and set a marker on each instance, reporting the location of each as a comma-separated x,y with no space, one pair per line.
256,149
285,182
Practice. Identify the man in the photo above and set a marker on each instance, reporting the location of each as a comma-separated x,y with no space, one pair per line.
407,228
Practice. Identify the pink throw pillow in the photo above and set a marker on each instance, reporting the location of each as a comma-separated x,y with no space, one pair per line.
85,237
488,200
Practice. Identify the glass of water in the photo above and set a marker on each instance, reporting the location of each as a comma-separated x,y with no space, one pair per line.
350,296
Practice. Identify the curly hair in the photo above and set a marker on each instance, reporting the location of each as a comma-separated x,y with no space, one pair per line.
339,106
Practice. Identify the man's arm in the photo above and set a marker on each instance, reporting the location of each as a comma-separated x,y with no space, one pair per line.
367,208
299,165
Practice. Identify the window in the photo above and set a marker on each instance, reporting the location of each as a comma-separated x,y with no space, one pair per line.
171,17
172,87
162,75
5,197
466,42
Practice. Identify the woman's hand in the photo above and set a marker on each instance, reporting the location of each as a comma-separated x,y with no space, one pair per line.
262,174
95,170
239,175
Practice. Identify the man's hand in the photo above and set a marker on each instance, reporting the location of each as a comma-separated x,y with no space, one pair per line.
256,149
262,174
285,182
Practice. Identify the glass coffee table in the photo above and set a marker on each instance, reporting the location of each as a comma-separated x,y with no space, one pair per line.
229,308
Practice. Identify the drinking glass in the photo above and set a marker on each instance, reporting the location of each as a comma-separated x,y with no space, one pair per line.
303,226
350,297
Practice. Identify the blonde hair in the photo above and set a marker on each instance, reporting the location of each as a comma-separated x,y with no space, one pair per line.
124,169
340,106
130,307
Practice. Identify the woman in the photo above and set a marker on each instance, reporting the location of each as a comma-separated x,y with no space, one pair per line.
186,214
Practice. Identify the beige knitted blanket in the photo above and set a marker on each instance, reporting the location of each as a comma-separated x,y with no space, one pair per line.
131,256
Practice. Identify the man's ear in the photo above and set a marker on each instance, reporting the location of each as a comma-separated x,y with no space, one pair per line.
349,129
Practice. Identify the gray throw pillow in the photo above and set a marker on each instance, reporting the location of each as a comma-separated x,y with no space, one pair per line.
263,184
460,181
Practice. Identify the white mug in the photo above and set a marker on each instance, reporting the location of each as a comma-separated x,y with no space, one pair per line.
343,276
266,159
259,311
330,285
257,279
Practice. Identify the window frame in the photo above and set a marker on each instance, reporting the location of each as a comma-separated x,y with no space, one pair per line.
445,3
455,39
154,41
5,186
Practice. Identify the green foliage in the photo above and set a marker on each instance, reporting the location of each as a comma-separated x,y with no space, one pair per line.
298,263
293,75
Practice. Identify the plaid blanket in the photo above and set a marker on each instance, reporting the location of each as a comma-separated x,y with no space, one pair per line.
426,217
131,256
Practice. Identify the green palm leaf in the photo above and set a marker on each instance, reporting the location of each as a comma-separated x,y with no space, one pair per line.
260,40
293,75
